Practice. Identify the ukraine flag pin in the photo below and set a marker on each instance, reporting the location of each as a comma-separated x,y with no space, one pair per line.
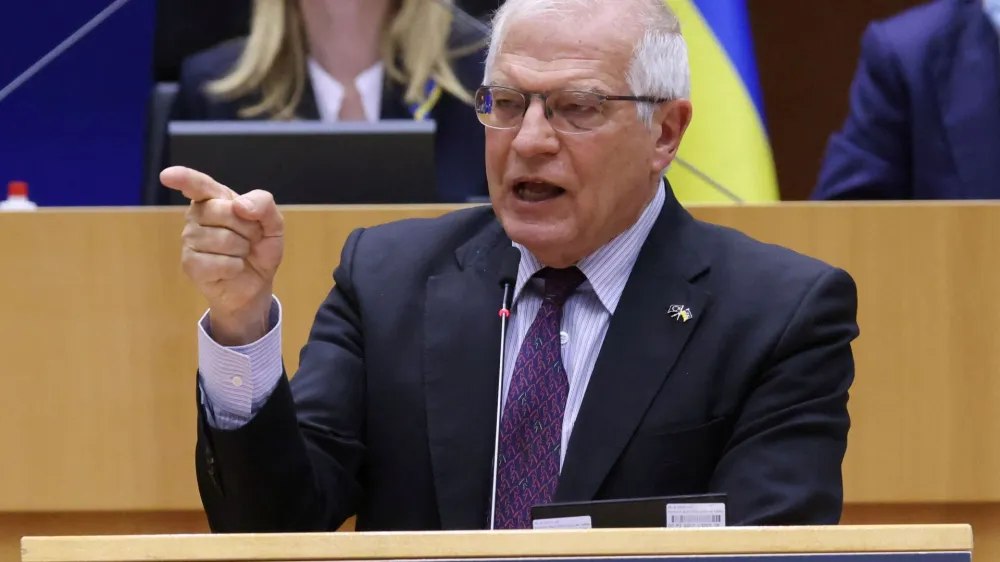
680,312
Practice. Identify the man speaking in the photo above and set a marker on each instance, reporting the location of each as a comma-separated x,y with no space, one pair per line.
647,353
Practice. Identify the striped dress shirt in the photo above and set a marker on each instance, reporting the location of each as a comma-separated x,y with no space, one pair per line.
586,313
237,381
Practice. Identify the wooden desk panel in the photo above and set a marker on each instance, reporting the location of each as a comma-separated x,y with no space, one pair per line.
99,348
525,544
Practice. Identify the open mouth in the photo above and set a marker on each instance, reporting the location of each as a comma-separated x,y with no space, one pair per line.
536,191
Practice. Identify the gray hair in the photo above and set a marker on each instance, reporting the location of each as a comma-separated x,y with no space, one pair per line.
659,65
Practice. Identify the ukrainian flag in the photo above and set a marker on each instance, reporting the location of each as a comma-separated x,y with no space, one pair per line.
727,139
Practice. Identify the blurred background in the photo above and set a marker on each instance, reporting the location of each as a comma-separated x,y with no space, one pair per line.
89,109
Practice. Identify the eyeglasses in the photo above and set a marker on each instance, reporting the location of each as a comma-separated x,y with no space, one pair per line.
567,111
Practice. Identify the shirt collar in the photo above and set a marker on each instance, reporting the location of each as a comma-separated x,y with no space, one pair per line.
608,268
329,92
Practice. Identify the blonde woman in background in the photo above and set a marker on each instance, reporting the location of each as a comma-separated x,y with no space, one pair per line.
348,60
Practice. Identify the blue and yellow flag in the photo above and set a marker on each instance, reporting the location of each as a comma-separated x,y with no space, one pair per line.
727,139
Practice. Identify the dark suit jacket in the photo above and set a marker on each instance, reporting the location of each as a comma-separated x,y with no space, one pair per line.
391,414
924,120
459,143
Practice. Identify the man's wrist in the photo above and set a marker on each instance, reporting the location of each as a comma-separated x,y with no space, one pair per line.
241,327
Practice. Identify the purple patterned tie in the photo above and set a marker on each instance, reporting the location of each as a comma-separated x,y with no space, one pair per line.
531,427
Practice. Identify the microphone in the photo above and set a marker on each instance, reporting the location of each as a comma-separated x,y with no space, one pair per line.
708,179
61,48
509,263
466,25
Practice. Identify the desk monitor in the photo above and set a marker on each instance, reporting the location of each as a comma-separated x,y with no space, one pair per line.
311,162
703,510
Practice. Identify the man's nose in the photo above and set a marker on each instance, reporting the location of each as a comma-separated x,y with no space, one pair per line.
535,135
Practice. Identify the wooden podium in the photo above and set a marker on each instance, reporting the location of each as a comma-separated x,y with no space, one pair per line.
912,543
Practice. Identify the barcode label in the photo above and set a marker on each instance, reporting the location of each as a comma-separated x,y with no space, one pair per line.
681,515
694,520
579,522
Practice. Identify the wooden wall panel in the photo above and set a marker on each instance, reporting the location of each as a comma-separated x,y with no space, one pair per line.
13,526
984,518
98,346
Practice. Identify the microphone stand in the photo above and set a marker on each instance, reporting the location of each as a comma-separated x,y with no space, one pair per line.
504,315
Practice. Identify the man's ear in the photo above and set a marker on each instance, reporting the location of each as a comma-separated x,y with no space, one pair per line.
672,120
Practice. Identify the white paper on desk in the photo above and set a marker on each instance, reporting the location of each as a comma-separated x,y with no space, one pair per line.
578,522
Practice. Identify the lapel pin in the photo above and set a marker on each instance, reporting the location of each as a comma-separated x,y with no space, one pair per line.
680,312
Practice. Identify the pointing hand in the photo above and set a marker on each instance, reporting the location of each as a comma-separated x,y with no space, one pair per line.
232,246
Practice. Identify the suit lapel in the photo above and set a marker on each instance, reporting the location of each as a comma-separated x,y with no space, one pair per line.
967,72
308,110
461,355
642,344
392,101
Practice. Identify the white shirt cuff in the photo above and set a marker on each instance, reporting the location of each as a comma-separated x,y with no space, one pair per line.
237,381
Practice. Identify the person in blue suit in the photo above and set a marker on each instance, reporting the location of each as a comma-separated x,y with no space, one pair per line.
337,60
924,118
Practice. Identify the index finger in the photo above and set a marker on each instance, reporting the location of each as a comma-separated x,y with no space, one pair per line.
195,185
